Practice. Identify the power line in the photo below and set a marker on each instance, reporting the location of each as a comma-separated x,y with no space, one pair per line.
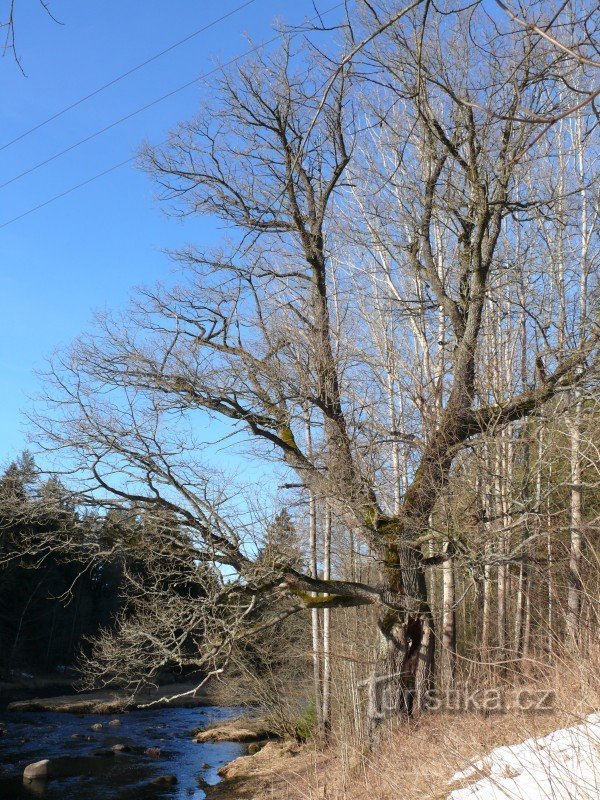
108,127
119,121
68,191
127,74
129,160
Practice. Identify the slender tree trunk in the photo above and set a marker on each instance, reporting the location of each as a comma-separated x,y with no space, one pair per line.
502,570
523,582
487,569
574,594
576,521
326,699
550,568
448,618
314,573
314,614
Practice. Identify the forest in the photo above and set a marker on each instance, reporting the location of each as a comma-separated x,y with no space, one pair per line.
47,609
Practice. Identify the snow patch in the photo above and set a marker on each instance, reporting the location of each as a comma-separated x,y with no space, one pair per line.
565,765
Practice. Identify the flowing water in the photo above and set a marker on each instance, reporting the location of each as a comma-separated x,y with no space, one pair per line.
86,768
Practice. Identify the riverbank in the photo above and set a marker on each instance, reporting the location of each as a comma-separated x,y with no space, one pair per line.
247,729
427,756
278,769
106,702
22,686
272,767
439,759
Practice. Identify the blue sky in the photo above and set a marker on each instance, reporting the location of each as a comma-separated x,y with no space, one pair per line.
89,249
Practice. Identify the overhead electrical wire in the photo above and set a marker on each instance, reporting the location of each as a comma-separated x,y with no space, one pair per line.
119,121
126,74
129,160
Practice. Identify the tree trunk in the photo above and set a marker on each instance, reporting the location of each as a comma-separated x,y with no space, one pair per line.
574,595
326,692
314,613
502,570
448,619
550,567
487,512
524,575
403,671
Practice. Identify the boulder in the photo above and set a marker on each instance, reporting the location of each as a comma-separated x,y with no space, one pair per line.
229,733
164,780
120,748
114,722
39,770
152,751
97,726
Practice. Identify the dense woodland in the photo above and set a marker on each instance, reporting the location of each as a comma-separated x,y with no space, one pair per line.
48,606
401,326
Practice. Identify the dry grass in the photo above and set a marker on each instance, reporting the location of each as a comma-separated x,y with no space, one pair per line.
416,758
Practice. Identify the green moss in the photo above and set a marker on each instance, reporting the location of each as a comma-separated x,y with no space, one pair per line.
371,517
391,558
287,437
326,600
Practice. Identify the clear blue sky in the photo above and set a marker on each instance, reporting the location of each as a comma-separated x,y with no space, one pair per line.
88,250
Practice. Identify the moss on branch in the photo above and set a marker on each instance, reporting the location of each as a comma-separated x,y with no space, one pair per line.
328,600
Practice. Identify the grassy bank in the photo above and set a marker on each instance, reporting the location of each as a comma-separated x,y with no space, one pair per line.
414,758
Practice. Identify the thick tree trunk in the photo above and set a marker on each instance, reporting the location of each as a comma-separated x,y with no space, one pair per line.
403,672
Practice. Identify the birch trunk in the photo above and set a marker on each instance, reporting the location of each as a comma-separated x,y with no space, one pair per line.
326,698
448,618
314,614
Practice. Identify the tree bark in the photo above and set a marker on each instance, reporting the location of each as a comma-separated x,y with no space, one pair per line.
575,584
448,618
326,695
403,671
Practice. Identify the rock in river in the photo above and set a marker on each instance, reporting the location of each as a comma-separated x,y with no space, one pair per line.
38,770
164,780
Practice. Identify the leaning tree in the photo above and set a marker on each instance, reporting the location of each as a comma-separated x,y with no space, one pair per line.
403,165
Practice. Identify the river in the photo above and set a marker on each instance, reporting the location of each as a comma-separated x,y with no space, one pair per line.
87,769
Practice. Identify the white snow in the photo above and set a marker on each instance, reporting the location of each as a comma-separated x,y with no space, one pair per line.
565,765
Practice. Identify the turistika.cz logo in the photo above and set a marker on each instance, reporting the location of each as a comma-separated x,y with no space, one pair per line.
387,698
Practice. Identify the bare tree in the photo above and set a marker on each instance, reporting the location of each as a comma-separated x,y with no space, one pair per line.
404,172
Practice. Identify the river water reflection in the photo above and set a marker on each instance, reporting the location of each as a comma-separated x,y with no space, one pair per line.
87,769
